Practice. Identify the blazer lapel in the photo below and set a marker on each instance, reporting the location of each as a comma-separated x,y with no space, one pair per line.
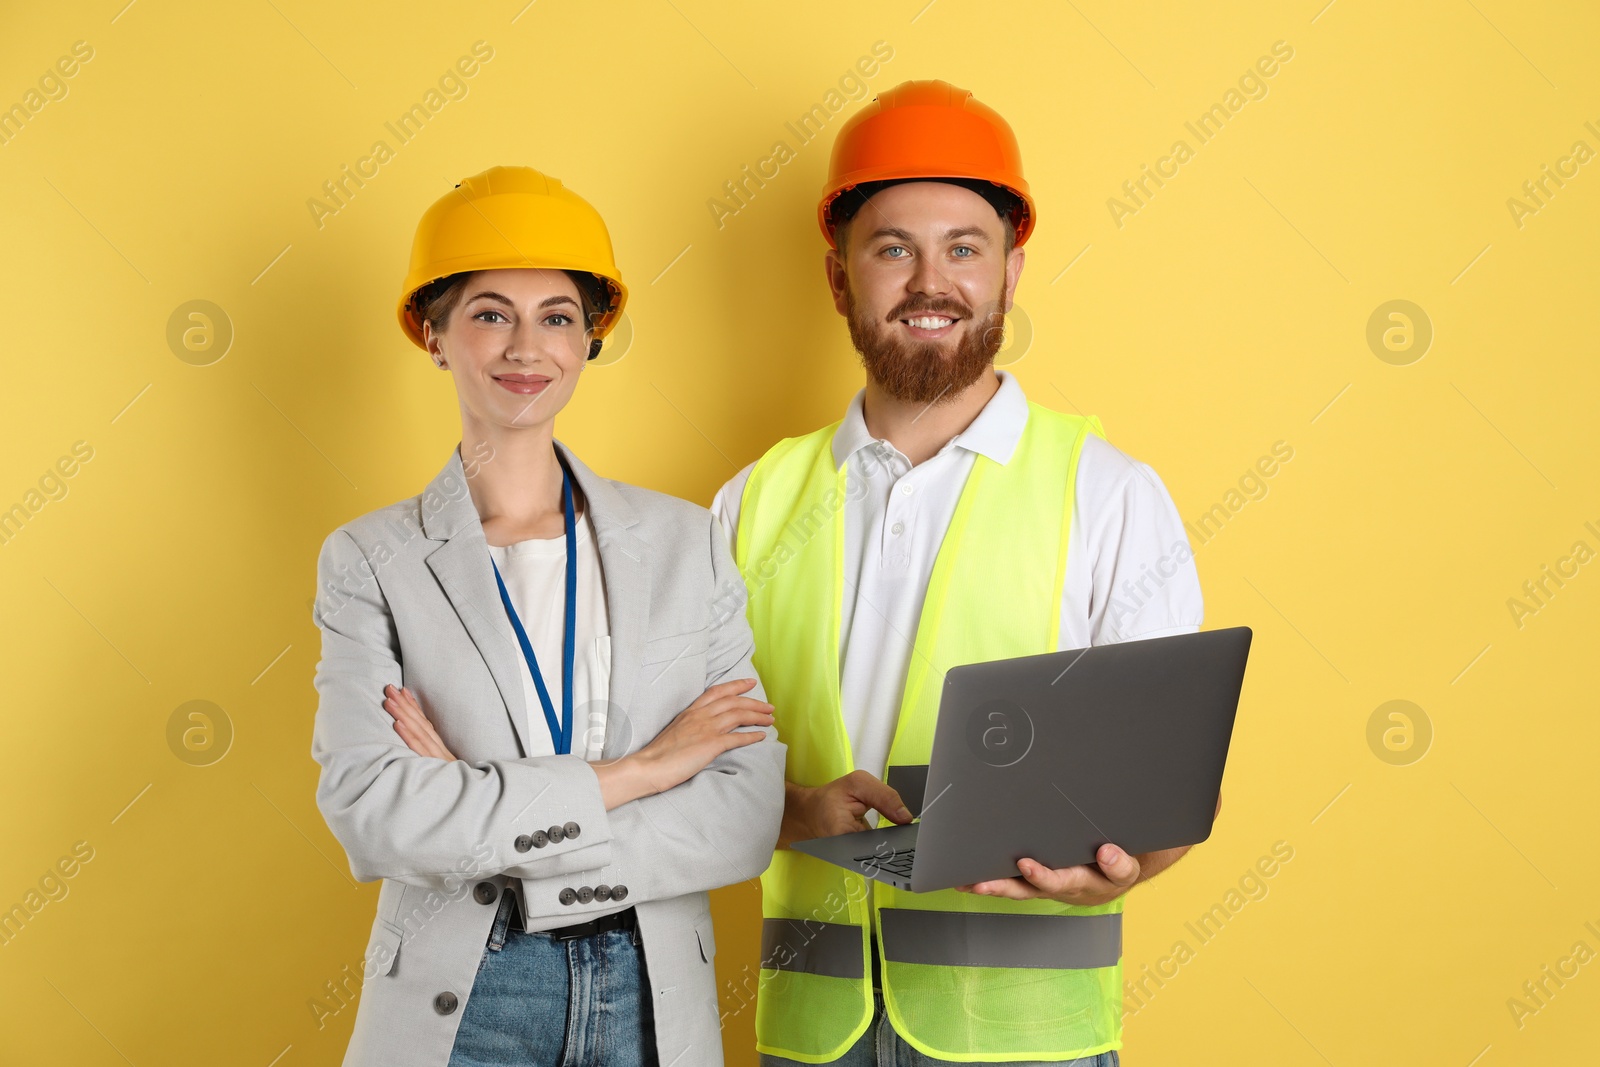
625,564
462,566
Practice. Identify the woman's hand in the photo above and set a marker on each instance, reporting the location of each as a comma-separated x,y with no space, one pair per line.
696,736
413,726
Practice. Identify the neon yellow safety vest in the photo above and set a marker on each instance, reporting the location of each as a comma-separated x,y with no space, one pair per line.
964,977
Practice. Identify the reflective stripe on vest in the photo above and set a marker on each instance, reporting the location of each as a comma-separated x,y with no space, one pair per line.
964,977
946,939
987,939
832,950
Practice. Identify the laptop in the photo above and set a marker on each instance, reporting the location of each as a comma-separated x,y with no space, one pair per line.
1052,756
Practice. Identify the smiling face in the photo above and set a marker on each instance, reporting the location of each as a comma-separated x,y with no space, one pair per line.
515,343
924,280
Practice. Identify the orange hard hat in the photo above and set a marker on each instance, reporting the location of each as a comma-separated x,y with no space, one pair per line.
926,129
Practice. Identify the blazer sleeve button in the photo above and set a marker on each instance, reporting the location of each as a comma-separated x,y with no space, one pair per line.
540,839
444,1003
567,896
523,843
602,892
485,893
571,830
585,894
557,833
619,892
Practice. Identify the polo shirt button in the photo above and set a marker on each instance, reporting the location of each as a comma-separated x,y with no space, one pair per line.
523,843
906,488
567,896
602,892
485,893
444,1003
897,528
619,892
557,833
571,830
585,894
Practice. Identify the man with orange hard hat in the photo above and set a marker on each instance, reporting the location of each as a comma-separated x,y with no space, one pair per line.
907,538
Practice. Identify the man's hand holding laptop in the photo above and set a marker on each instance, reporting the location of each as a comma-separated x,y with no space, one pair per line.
1113,873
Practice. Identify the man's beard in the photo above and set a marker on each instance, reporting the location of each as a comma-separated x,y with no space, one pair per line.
920,371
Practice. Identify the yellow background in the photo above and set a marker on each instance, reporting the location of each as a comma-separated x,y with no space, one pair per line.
1228,314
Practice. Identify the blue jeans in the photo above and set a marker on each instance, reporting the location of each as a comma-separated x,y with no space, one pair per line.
880,1046
536,1000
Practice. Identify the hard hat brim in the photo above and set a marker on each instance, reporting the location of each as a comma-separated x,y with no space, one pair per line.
510,218
413,326
1019,189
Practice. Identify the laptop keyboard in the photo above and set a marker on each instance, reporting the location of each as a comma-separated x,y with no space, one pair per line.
896,863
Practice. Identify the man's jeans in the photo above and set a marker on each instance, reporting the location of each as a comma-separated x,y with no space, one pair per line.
880,1046
569,1003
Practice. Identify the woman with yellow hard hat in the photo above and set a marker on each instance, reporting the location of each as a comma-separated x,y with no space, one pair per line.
538,723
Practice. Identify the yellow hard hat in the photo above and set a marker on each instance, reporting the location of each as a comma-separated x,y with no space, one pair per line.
510,217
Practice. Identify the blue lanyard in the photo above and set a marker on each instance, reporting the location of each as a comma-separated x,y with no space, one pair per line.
560,732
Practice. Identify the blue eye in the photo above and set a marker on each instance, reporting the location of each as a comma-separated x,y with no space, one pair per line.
967,249
895,248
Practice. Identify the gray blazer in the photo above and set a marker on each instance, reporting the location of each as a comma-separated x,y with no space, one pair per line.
406,595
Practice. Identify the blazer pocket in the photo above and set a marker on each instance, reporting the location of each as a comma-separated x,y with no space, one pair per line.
708,941
677,646
383,949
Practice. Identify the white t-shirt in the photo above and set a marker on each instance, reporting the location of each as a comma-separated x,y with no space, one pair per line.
1130,570
535,573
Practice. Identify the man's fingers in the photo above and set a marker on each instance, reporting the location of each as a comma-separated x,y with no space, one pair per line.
1085,882
877,796
1120,869
1113,872
1051,880
1010,888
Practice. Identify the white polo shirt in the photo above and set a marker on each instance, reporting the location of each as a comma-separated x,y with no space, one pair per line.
1130,571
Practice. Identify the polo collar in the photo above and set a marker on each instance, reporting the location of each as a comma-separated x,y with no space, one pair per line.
994,433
